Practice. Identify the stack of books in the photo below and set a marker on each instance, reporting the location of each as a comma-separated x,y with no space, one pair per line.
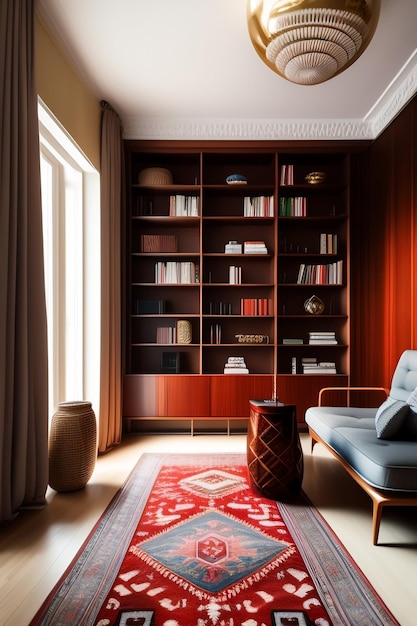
233,247
310,366
235,365
292,340
322,337
255,247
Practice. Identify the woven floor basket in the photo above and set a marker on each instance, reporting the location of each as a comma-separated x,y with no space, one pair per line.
72,446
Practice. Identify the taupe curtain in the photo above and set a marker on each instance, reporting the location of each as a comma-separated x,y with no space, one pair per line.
110,421
23,338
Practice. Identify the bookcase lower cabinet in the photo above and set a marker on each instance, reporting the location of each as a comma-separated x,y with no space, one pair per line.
303,390
190,398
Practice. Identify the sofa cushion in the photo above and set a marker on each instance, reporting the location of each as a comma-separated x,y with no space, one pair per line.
390,417
409,429
412,399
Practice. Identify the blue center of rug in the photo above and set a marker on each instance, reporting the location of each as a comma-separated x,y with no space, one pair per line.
213,551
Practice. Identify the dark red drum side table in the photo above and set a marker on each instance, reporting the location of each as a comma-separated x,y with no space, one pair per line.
274,453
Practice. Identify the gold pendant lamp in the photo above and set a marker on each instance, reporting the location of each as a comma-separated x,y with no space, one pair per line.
309,41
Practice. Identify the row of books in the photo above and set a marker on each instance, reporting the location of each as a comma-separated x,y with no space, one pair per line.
158,243
215,333
148,307
235,365
235,275
182,272
293,206
287,174
324,337
321,274
328,243
166,334
311,366
259,206
254,306
220,308
184,206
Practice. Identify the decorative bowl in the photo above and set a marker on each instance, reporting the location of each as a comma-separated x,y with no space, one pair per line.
155,176
236,179
314,305
315,178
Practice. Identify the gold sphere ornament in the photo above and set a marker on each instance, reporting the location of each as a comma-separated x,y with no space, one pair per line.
309,41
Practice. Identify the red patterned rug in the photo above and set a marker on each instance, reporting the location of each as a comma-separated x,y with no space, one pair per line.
186,542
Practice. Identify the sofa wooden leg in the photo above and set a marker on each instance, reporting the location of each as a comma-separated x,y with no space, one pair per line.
376,521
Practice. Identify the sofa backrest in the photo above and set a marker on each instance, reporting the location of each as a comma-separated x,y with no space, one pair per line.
404,380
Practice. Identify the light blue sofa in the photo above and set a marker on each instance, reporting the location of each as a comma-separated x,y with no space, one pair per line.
377,446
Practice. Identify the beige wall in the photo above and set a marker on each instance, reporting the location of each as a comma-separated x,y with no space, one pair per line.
66,95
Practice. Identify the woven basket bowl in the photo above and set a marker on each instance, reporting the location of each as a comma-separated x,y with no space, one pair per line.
155,176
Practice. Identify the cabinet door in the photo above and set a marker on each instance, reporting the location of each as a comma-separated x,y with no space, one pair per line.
230,394
166,396
303,391
140,394
183,396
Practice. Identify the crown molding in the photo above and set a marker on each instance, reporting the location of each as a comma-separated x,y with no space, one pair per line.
398,93
247,130
388,106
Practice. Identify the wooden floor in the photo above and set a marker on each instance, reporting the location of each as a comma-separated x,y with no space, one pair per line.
36,548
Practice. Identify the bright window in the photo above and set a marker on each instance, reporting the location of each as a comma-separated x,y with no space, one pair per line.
71,224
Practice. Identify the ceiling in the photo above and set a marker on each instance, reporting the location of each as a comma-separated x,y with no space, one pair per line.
186,69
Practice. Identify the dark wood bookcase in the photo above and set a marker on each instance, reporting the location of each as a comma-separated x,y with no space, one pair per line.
259,315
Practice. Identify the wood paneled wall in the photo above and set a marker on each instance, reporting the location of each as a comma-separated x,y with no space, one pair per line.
384,252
